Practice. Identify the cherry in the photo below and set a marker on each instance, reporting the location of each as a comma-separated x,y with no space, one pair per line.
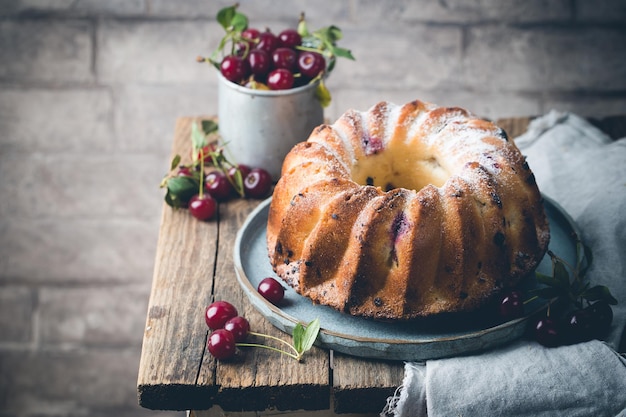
511,305
285,58
244,169
259,62
218,313
271,290
311,64
239,327
578,326
202,207
216,183
234,68
280,79
221,344
548,332
289,38
251,34
184,171
257,183
602,317
267,42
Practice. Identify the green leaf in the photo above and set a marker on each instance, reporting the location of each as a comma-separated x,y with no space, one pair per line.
175,162
239,22
344,53
599,293
322,94
560,274
310,335
198,139
180,190
298,335
209,126
225,16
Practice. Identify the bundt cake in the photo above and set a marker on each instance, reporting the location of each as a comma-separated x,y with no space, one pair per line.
405,211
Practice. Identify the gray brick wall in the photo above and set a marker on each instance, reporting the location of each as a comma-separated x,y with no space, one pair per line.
89,94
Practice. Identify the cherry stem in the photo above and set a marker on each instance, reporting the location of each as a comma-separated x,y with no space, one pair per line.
531,299
267,336
291,355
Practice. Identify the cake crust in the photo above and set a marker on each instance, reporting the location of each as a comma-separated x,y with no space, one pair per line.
406,211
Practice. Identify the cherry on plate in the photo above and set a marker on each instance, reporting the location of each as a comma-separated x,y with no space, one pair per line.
221,344
511,305
271,290
218,313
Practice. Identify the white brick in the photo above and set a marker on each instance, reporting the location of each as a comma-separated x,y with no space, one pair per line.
385,13
154,52
543,60
420,57
146,114
74,251
90,316
46,51
56,120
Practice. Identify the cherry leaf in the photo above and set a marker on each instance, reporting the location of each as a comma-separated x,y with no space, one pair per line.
198,139
175,162
322,94
599,293
310,335
297,335
209,126
225,16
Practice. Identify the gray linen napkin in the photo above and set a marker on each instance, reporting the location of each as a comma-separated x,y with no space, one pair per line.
585,172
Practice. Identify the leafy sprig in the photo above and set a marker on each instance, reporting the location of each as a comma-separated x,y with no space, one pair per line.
180,188
569,281
303,339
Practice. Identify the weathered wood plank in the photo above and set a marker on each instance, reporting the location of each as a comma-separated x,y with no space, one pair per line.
363,385
175,332
270,380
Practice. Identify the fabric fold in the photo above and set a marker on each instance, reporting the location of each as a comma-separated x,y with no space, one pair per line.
584,171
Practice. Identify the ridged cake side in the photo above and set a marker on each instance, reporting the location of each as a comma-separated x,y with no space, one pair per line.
405,211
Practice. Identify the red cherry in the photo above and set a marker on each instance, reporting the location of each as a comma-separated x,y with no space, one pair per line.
267,42
271,290
280,79
218,186
289,38
285,58
234,68
202,207
221,344
511,305
257,183
260,62
548,332
239,327
184,171
251,34
311,64
218,313
244,169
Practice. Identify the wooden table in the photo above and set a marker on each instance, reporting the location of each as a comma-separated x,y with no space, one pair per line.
193,267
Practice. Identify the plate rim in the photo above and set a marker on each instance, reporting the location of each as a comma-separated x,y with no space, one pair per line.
245,282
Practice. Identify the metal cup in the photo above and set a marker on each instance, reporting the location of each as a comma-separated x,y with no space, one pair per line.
259,127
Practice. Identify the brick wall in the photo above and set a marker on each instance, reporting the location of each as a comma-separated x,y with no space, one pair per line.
89,94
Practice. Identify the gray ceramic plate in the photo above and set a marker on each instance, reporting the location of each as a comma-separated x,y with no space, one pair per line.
373,339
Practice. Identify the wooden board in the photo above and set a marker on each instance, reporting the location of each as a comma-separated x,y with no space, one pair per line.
193,267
